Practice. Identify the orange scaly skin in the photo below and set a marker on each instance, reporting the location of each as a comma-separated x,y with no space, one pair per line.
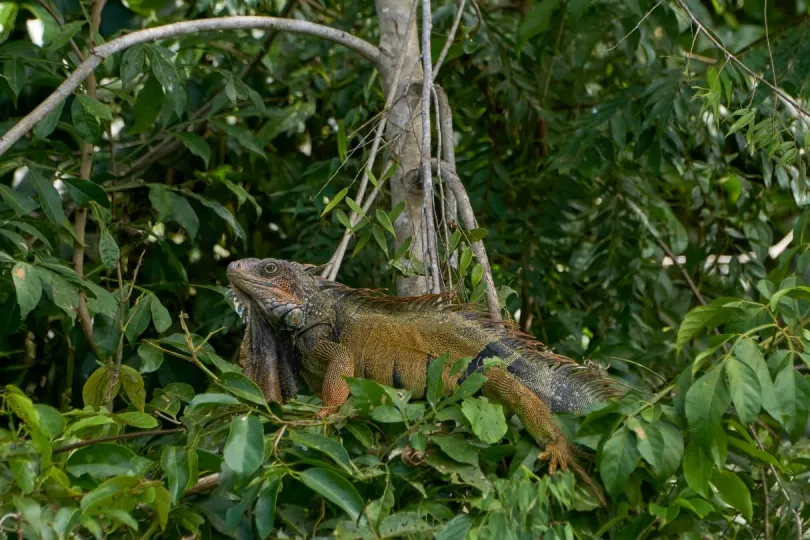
334,331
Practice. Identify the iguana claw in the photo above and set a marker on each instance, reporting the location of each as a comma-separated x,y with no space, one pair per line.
326,411
558,454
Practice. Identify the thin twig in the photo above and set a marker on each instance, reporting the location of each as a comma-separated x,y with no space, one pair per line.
123,436
433,279
450,38
462,200
183,28
802,112
782,488
80,217
651,228
765,503
332,268
204,484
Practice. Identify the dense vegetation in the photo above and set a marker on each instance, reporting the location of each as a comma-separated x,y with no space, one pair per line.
638,171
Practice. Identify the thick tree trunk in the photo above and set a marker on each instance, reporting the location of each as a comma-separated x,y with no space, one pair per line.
404,128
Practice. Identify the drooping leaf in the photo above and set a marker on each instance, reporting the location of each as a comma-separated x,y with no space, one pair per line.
174,462
706,401
335,489
734,492
617,460
746,392
28,287
244,450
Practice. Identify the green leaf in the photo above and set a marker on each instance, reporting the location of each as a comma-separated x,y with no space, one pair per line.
113,490
137,419
435,381
174,462
456,528
747,352
147,107
201,400
138,319
242,387
403,524
661,445
95,107
21,204
383,219
50,421
102,460
85,124
697,468
8,14
85,191
477,274
734,492
222,212
163,68
244,449
785,396
379,237
195,144
28,287
265,511
14,73
162,505
701,317
537,21
108,250
464,260
474,235
65,34
328,446
746,392
132,382
706,401
160,315
335,201
457,447
47,125
617,460
335,489
132,64
49,198
486,419
25,472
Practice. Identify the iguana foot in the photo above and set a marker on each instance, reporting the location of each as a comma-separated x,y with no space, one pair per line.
558,454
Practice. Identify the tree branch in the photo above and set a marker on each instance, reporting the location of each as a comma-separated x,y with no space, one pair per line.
803,114
450,38
99,54
434,279
80,219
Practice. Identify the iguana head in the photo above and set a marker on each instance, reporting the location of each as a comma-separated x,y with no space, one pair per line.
282,292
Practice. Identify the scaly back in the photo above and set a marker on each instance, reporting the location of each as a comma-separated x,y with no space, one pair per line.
563,384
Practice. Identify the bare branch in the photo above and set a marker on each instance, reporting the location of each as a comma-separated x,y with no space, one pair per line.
434,280
80,218
450,38
99,54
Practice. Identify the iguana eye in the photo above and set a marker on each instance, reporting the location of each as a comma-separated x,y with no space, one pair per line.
270,268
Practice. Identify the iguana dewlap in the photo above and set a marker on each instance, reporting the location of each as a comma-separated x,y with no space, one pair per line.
327,331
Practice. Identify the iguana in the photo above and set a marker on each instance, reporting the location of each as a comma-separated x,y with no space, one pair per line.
324,330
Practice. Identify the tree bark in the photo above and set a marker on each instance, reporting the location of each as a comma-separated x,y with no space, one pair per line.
404,129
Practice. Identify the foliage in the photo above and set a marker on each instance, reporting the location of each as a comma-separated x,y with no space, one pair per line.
595,139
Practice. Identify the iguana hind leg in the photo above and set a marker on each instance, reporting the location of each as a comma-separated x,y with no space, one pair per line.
534,414
339,363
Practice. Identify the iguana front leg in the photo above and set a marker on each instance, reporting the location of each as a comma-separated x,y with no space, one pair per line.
339,363
534,414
